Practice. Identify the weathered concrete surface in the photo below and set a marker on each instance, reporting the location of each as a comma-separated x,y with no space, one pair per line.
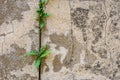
83,35
18,35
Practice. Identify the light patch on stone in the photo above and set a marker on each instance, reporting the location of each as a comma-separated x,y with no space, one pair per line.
28,69
59,22
82,57
56,75
8,41
6,29
83,75
20,30
90,58
45,40
1,48
1,39
82,4
76,68
27,40
78,35
62,51
52,47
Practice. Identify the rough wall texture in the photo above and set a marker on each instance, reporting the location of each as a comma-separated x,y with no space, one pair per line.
18,35
83,35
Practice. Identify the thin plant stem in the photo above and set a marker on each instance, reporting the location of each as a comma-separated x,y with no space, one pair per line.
40,34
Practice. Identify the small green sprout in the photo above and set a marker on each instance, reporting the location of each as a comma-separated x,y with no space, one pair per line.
42,53
41,13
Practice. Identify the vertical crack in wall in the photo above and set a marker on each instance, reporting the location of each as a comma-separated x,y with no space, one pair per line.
71,32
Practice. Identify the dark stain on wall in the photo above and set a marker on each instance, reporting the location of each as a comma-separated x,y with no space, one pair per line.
13,61
12,10
101,51
100,68
61,40
72,56
57,63
79,17
44,65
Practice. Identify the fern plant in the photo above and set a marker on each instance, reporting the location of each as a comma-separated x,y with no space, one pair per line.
43,51
41,13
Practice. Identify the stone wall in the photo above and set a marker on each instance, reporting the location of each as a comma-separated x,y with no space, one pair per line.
18,34
83,35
